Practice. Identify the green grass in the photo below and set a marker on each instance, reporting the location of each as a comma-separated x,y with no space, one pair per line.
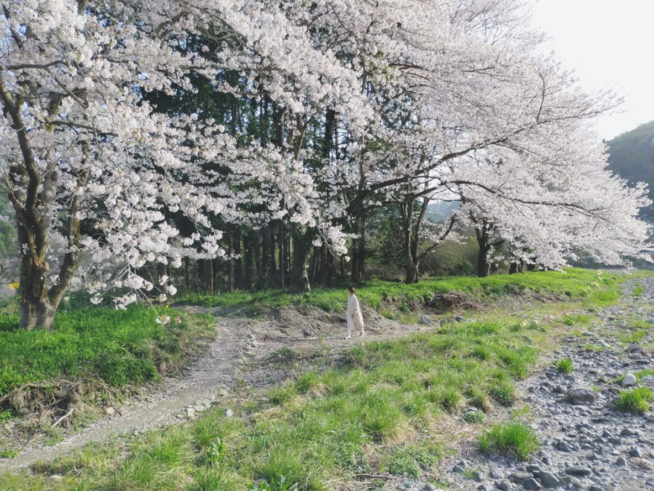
635,400
118,347
643,373
576,319
633,337
564,365
638,291
596,288
377,407
512,437
376,410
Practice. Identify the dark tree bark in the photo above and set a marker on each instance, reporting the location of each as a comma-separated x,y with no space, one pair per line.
33,210
483,239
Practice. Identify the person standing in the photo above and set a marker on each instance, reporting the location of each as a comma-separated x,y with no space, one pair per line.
354,317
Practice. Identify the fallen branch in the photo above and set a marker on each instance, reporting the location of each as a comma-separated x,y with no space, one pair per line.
62,418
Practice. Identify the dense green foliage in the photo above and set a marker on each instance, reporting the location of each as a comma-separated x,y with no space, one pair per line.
631,155
118,347
594,286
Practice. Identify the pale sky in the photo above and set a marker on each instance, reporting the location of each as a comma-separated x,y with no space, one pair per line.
609,44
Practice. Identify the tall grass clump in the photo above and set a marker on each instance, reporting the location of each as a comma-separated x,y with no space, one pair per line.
564,365
512,437
635,400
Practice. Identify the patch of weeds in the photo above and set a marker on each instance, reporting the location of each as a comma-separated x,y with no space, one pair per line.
481,352
641,324
7,415
521,413
635,400
449,399
474,417
280,394
503,392
638,291
283,355
352,457
564,365
403,463
643,373
576,319
633,337
307,382
478,398
512,437
410,460
9,453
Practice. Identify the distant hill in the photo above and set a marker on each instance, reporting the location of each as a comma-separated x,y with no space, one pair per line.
631,156
438,211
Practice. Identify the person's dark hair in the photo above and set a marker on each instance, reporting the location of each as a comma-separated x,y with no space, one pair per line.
350,289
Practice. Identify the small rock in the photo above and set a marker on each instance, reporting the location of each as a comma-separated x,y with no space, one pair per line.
633,347
628,432
519,476
642,464
621,461
56,477
578,470
190,412
425,320
502,485
562,446
228,413
634,452
548,480
531,483
496,474
459,318
581,396
628,380
109,411
475,476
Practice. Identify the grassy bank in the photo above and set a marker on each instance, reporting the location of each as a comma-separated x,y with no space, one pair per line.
378,409
596,288
95,343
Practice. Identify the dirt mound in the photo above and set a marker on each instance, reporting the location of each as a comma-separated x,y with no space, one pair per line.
311,322
451,302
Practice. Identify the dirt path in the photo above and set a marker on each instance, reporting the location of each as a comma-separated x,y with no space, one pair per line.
240,345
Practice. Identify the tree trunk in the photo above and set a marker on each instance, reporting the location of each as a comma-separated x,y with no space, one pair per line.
300,260
482,259
282,255
359,251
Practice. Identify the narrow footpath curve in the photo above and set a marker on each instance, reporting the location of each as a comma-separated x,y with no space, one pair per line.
218,368
586,442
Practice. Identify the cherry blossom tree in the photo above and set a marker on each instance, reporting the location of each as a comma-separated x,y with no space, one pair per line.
93,169
359,104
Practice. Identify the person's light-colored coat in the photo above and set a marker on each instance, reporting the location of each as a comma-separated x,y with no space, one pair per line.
354,317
